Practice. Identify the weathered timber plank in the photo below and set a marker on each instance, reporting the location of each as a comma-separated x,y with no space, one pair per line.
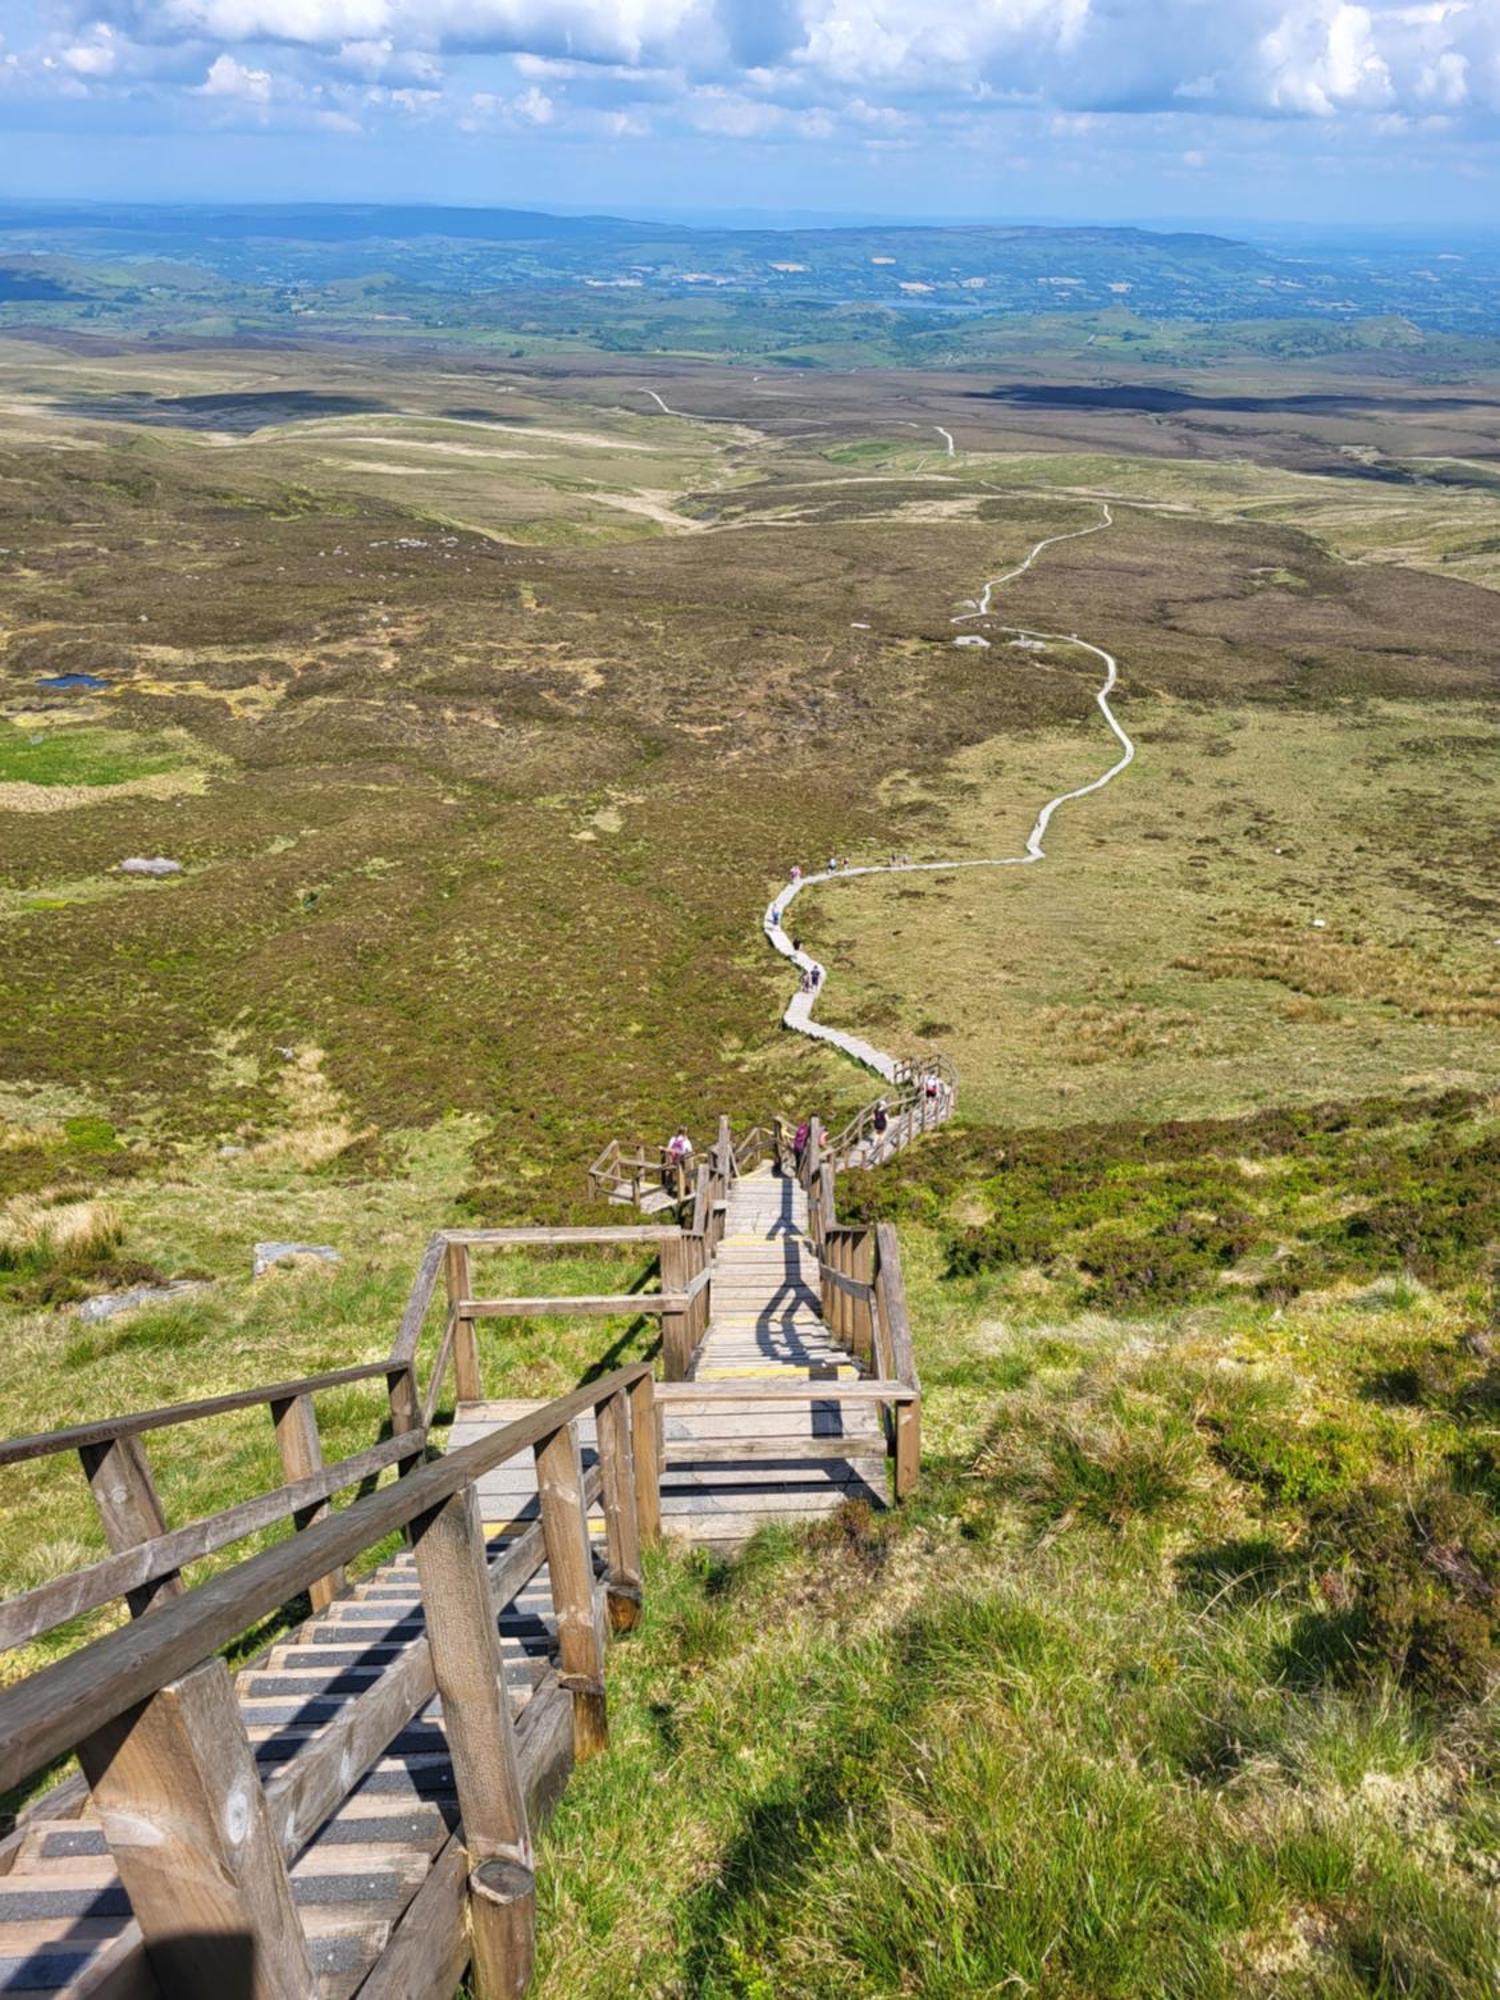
677,1394
481,1238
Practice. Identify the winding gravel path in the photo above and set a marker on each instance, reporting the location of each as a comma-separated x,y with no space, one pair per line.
799,1013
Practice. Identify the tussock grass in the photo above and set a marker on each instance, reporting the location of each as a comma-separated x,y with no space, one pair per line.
1177,1678
35,1233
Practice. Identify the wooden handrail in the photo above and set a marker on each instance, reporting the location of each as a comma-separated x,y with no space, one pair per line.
481,1239
44,1443
63,1597
46,1715
756,1389
633,1305
409,1333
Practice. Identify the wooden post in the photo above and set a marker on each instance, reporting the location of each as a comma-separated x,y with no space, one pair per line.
908,1447
897,1323
621,1527
645,1453
301,1457
468,1383
453,1572
570,1566
180,1800
502,1927
406,1415
468,1666
119,1474
862,1268
676,1327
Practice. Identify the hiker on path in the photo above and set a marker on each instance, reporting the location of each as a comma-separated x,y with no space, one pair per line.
796,875
800,1141
679,1158
880,1125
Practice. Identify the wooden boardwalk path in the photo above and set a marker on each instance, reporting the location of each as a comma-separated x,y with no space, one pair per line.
730,1463
354,1812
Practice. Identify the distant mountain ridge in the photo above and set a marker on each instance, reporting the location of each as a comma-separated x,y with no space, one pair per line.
344,222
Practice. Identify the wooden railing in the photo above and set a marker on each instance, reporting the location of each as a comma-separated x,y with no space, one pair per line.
922,1097
202,1844
864,1306
200,1838
147,1558
629,1173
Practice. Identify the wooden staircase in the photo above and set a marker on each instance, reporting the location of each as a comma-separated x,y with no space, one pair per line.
732,1462
65,1920
354,1812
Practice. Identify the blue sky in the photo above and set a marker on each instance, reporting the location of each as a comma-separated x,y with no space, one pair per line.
1272,109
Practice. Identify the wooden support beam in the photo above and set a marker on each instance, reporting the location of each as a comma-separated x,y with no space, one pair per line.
908,1448
179,1798
646,1458
302,1458
621,1528
502,1925
119,1476
459,1613
862,1313
676,1329
570,1566
467,1380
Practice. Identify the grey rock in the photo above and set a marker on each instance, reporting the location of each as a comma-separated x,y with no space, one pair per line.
269,1255
107,1304
157,865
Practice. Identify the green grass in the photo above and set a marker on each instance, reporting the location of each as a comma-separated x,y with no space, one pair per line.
1168,1683
83,756
1163,1686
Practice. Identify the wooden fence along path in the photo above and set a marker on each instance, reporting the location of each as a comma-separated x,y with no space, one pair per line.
355,1810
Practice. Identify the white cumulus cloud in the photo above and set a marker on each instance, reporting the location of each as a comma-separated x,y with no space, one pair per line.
228,78
847,64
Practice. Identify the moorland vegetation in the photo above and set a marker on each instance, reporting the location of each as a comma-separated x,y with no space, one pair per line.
481,703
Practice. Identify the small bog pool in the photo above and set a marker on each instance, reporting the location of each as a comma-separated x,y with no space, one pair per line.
70,681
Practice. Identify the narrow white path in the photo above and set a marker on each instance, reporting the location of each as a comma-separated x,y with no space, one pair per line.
799,1013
